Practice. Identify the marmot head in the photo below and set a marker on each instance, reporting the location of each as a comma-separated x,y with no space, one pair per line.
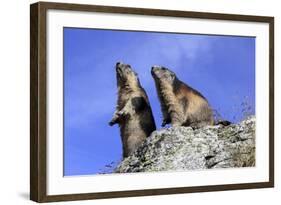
163,75
126,77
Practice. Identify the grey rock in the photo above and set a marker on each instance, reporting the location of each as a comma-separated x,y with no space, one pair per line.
182,148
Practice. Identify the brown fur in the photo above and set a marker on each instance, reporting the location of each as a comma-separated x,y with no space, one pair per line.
133,112
181,105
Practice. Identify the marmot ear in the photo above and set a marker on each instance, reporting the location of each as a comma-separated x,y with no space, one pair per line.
138,103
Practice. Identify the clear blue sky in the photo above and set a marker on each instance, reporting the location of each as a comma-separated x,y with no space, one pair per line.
222,68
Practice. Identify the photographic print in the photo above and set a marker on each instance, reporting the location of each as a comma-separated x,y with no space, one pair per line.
147,101
129,102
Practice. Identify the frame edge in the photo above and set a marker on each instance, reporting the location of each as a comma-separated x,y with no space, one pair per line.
156,192
37,102
154,12
34,187
271,102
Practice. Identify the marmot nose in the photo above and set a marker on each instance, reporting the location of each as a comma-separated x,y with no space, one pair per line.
118,63
155,68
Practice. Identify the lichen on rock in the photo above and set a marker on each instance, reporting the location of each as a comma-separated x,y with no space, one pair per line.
184,148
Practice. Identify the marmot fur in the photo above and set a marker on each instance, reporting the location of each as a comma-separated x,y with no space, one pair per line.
181,105
133,112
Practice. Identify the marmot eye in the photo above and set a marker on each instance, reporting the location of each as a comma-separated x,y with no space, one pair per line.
170,78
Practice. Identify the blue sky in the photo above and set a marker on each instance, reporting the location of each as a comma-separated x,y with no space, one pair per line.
222,68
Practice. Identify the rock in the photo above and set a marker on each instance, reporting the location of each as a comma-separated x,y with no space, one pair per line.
182,148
